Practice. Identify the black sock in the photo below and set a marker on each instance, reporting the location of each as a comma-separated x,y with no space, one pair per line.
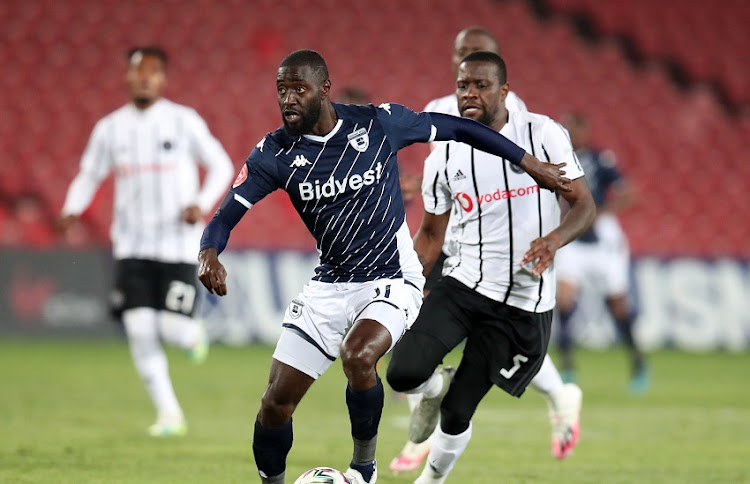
625,330
565,340
365,409
270,448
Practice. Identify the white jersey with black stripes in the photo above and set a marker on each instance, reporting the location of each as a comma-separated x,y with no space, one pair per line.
497,210
449,105
154,154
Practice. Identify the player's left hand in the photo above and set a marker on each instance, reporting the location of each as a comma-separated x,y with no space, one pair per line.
541,253
547,175
192,214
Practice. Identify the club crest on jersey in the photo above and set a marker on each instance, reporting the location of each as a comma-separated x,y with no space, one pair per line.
299,162
359,140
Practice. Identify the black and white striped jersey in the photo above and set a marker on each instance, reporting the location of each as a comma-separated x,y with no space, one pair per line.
154,155
498,209
345,188
449,105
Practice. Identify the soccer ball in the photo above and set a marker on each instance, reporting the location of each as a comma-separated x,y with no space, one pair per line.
323,475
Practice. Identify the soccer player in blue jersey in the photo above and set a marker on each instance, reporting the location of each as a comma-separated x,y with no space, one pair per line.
338,165
600,255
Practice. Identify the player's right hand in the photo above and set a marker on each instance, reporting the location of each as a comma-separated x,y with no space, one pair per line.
211,272
65,223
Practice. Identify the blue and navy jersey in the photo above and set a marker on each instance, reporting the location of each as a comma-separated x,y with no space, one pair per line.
602,174
344,185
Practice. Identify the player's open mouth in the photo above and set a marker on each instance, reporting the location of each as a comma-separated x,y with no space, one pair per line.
291,116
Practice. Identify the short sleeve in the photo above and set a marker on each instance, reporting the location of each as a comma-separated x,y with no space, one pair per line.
436,194
403,126
558,149
257,178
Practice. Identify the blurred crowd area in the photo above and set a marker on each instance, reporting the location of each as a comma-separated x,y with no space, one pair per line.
664,84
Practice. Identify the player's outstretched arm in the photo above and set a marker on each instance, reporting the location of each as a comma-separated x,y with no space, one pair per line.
577,221
473,133
211,272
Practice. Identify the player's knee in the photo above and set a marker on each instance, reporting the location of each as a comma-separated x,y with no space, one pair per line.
275,411
358,361
454,419
405,372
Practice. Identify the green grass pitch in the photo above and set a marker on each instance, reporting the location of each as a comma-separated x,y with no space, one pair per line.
75,412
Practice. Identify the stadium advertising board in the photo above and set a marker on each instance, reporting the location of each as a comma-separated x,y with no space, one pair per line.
55,291
687,303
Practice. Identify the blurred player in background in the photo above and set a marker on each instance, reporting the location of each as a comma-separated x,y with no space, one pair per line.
601,255
498,287
548,380
338,164
154,147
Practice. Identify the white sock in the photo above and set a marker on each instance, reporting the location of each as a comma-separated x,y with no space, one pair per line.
150,360
179,330
548,380
430,389
445,451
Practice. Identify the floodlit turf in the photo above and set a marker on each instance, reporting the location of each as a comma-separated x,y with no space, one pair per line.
75,412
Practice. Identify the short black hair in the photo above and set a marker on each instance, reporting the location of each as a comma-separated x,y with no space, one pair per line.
492,58
310,58
151,50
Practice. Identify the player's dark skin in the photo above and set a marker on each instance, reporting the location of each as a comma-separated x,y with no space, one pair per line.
303,96
299,93
481,97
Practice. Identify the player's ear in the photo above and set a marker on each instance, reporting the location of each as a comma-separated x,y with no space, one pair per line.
325,88
504,90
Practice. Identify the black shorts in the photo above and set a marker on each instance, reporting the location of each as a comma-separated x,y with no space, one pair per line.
151,284
507,343
436,273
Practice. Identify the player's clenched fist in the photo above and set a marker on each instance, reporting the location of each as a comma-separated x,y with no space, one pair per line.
211,272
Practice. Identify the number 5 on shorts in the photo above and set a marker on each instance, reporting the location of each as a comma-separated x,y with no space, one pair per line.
517,360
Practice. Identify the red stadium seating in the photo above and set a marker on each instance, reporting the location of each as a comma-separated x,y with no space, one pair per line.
64,69
708,39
